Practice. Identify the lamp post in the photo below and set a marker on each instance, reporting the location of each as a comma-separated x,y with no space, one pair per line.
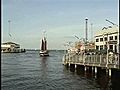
86,30
91,32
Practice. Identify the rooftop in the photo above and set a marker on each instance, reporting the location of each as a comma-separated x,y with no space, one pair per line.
107,30
10,43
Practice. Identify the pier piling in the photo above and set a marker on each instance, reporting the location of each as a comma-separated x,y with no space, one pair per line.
96,65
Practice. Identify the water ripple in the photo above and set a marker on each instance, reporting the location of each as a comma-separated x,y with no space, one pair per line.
29,71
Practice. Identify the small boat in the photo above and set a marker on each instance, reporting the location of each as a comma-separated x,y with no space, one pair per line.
44,51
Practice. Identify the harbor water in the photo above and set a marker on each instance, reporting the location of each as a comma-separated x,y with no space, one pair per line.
29,71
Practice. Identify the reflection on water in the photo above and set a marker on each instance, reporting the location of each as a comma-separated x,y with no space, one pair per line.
103,81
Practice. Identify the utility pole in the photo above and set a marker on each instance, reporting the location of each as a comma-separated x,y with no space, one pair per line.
91,31
86,30
9,29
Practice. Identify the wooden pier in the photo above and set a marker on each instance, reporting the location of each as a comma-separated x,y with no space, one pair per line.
107,62
110,61
98,65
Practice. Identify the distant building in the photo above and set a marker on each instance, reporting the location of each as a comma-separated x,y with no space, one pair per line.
107,38
82,47
11,47
90,46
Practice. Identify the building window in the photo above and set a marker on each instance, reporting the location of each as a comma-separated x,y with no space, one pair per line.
97,47
101,47
111,47
115,48
111,37
115,37
105,47
105,38
101,39
97,40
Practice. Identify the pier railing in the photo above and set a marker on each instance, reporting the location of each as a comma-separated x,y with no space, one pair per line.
92,60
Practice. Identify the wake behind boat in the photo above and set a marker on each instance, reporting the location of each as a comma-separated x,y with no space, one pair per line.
44,51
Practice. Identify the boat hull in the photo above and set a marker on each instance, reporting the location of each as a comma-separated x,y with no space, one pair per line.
44,53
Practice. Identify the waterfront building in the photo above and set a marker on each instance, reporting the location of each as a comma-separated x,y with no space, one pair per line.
107,38
81,48
11,47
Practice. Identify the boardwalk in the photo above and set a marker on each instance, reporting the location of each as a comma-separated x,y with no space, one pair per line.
92,60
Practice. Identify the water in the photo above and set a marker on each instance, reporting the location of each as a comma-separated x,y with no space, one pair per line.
29,71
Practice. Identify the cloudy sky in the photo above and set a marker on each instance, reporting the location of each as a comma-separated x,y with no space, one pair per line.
61,19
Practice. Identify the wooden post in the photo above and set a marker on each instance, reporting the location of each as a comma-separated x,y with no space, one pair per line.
95,72
100,59
75,66
69,57
85,68
109,72
69,64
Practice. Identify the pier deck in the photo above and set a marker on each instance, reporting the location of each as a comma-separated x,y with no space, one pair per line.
110,61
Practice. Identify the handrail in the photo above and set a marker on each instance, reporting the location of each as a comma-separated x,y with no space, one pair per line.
95,60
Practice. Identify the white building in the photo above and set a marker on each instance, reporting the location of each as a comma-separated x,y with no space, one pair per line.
10,47
107,38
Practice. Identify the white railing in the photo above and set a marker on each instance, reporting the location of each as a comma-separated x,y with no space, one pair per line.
95,60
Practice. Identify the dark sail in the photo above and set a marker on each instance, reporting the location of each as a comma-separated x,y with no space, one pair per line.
42,45
45,44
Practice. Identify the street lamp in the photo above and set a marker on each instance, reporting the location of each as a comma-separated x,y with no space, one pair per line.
86,19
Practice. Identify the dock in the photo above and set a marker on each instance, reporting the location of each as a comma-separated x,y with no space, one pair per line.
93,63
92,60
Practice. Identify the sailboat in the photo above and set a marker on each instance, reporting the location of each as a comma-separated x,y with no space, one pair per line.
44,51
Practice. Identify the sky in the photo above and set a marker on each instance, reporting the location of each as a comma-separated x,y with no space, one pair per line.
60,19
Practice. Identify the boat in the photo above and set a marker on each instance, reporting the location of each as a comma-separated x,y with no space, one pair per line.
44,51
11,47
